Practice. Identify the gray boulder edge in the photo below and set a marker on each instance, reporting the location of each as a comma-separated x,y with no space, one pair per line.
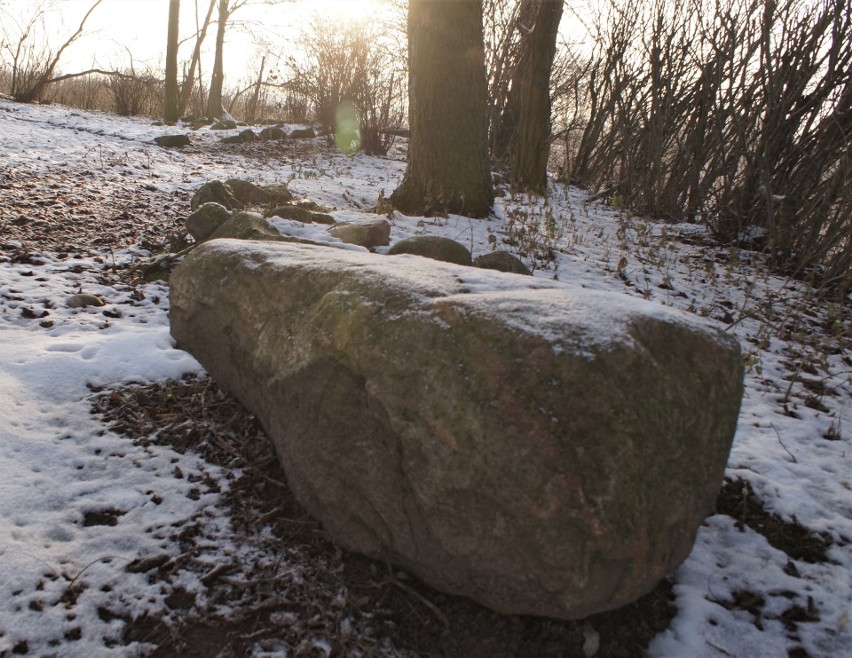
539,467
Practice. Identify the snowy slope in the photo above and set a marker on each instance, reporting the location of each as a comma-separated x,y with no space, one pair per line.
64,478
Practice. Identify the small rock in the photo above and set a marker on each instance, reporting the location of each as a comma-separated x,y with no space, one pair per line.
302,133
250,194
502,261
224,124
434,247
371,234
242,138
248,226
290,212
322,218
279,193
206,220
273,134
172,141
308,204
215,191
591,641
83,300
300,214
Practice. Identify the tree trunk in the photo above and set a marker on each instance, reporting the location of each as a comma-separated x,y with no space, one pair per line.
194,64
524,143
448,168
170,102
214,99
254,103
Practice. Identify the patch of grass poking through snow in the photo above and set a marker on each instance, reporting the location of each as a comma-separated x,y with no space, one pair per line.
533,232
738,500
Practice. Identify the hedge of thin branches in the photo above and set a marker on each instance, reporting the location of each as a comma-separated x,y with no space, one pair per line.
736,113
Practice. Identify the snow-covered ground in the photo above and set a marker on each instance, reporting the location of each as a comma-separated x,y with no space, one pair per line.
78,503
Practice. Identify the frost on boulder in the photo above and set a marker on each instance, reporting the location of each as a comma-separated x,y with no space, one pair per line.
539,448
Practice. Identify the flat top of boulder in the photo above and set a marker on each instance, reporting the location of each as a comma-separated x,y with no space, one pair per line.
603,320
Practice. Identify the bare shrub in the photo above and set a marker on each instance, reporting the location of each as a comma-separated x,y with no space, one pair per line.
31,59
135,93
351,63
294,106
254,101
501,24
87,92
27,61
257,99
738,114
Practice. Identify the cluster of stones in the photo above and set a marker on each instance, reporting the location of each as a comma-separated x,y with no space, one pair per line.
539,448
220,211
270,133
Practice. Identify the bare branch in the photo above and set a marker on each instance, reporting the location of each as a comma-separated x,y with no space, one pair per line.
110,74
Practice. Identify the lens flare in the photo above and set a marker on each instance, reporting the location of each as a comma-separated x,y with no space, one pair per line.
347,134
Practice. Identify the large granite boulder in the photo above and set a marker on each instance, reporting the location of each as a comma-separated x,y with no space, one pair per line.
540,448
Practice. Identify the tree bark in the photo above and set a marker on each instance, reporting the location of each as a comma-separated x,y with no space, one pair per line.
170,101
253,104
524,135
189,81
448,167
214,99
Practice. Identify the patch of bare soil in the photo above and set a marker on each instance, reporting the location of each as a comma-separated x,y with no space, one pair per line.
738,500
80,211
341,604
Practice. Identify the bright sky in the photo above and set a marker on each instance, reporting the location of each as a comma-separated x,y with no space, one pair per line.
120,27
